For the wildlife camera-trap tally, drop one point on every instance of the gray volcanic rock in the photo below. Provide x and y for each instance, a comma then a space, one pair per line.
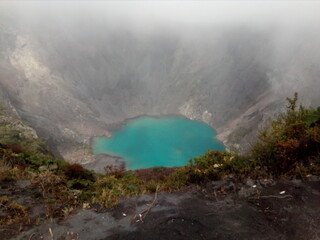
261, 213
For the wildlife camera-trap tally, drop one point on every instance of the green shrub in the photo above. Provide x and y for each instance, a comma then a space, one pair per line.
289, 142
110, 189
78, 183
151, 187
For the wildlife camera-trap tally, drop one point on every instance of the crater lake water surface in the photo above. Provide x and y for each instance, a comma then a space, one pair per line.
146, 142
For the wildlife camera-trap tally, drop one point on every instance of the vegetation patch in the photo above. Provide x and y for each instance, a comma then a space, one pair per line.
12, 212
288, 146
291, 142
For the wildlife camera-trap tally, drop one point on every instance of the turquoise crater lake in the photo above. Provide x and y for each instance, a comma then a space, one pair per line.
146, 142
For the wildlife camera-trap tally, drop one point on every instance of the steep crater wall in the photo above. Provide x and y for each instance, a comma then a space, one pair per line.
75, 81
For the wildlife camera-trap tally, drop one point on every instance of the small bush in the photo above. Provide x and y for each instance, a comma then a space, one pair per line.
76, 171
151, 187
291, 140
206, 167
14, 212
114, 188
10, 173
176, 180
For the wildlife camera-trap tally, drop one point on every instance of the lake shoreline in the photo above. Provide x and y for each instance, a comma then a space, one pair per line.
181, 139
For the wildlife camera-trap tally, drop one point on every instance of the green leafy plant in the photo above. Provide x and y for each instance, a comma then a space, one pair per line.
290, 141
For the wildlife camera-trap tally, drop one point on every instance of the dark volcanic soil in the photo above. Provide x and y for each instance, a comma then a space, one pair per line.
223, 210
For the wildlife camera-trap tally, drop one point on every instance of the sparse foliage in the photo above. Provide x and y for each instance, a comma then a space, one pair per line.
291, 141
289, 145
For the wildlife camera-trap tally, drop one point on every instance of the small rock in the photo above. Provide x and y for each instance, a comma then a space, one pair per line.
246, 192
266, 182
282, 192
49, 195
53, 167
297, 182
43, 168
250, 182
217, 165
215, 185
23, 183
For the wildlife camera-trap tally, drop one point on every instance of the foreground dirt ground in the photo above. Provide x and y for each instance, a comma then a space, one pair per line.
223, 210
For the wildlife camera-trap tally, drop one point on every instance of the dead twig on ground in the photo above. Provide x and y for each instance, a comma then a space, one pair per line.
31, 236
273, 196
51, 234
145, 212
8, 229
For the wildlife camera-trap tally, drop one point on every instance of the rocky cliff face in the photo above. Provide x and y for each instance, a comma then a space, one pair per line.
75, 79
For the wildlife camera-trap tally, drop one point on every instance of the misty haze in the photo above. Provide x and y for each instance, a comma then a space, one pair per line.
76, 71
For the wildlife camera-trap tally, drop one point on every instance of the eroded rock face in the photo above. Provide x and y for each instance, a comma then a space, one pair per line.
75, 80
